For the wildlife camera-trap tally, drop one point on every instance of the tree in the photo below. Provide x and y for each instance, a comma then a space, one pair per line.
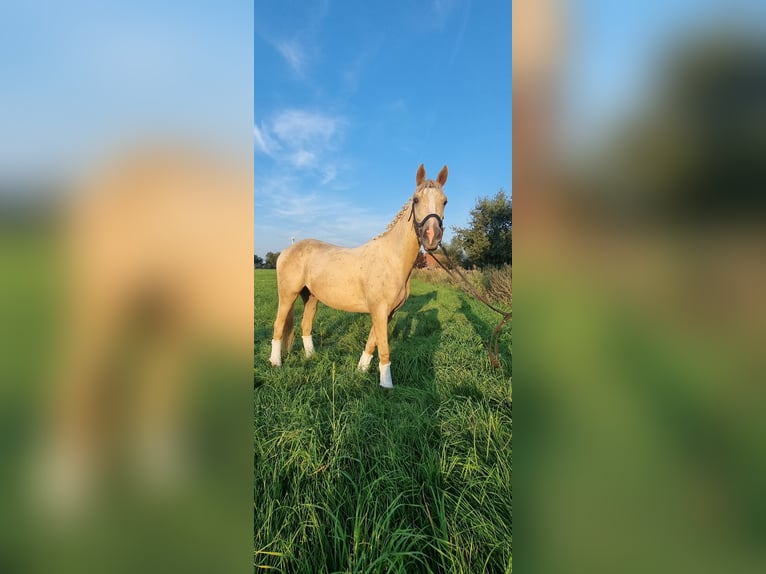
694, 152
487, 239
458, 254
257, 261
271, 260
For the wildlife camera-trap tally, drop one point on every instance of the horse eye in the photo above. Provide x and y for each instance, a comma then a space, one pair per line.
445, 202
415, 200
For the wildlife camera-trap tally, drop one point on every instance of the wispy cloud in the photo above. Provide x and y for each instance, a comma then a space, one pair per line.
442, 9
263, 142
294, 54
303, 158
300, 127
289, 205
302, 138
301, 185
329, 173
361, 63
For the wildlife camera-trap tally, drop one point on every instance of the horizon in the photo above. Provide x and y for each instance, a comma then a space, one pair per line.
350, 100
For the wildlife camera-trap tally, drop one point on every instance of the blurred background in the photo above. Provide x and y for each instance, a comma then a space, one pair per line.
126, 309
639, 179
126, 315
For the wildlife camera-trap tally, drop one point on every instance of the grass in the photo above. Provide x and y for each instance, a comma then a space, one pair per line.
494, 283
350, 477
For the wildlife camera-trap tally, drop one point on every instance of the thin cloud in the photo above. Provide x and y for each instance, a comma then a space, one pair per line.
360, 64
294, 54
285, 204
263, 142
443, 9
302, 138
303, 158
298, 127
329, 173
300, 181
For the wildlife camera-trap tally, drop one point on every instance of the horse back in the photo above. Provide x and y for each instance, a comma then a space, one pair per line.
335, 275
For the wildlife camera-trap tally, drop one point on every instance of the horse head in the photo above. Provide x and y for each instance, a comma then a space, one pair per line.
428, 203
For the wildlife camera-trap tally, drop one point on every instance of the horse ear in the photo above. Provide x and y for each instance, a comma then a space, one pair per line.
442, 177
421, 175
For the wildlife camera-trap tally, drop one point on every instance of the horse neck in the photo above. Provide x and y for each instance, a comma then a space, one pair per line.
402, 239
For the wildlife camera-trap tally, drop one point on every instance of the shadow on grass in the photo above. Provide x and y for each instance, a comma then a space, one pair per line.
414, 336
352, 477
483, 328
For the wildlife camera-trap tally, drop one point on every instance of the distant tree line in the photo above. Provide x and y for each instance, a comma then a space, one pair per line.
485, 242
270, 262
694, 152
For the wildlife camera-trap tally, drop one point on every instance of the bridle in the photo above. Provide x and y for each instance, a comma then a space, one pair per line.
418, 225
452, 270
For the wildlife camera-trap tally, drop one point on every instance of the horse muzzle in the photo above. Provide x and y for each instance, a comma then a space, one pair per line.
430, 232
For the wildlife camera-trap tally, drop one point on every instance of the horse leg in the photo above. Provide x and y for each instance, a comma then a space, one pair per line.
283, 327
369, 349
73, 458
380, 326
159, 407
309, 310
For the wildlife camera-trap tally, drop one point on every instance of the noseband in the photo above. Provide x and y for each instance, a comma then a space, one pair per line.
419, 224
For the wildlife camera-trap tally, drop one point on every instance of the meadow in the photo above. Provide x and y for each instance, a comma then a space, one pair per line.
350, 477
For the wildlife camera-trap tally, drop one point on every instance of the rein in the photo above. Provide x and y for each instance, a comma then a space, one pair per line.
494, 355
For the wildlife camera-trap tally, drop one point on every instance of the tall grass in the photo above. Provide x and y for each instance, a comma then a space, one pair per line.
350, 477
495, 283
498, 283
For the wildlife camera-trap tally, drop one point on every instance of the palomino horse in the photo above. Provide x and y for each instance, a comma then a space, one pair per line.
156, 240
373, 278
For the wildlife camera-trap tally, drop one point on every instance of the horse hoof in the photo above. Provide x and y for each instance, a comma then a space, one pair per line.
308, 345
276, 353
385, 376
364, 363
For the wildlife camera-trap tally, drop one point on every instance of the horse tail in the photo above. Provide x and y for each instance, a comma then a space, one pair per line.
288, 333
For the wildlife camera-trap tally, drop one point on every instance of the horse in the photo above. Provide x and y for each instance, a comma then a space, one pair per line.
373, 278
154, 243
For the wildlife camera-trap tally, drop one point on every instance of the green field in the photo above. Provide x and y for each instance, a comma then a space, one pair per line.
350, 477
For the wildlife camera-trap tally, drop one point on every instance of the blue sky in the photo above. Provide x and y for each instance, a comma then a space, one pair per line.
614, 51
80, 78
346, 98
350, 97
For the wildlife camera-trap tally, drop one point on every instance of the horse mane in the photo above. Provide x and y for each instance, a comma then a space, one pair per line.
406, 207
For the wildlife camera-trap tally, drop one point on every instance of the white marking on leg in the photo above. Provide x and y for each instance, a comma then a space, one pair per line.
385, 376
308, 345
276, 352
63, 480
364, 362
